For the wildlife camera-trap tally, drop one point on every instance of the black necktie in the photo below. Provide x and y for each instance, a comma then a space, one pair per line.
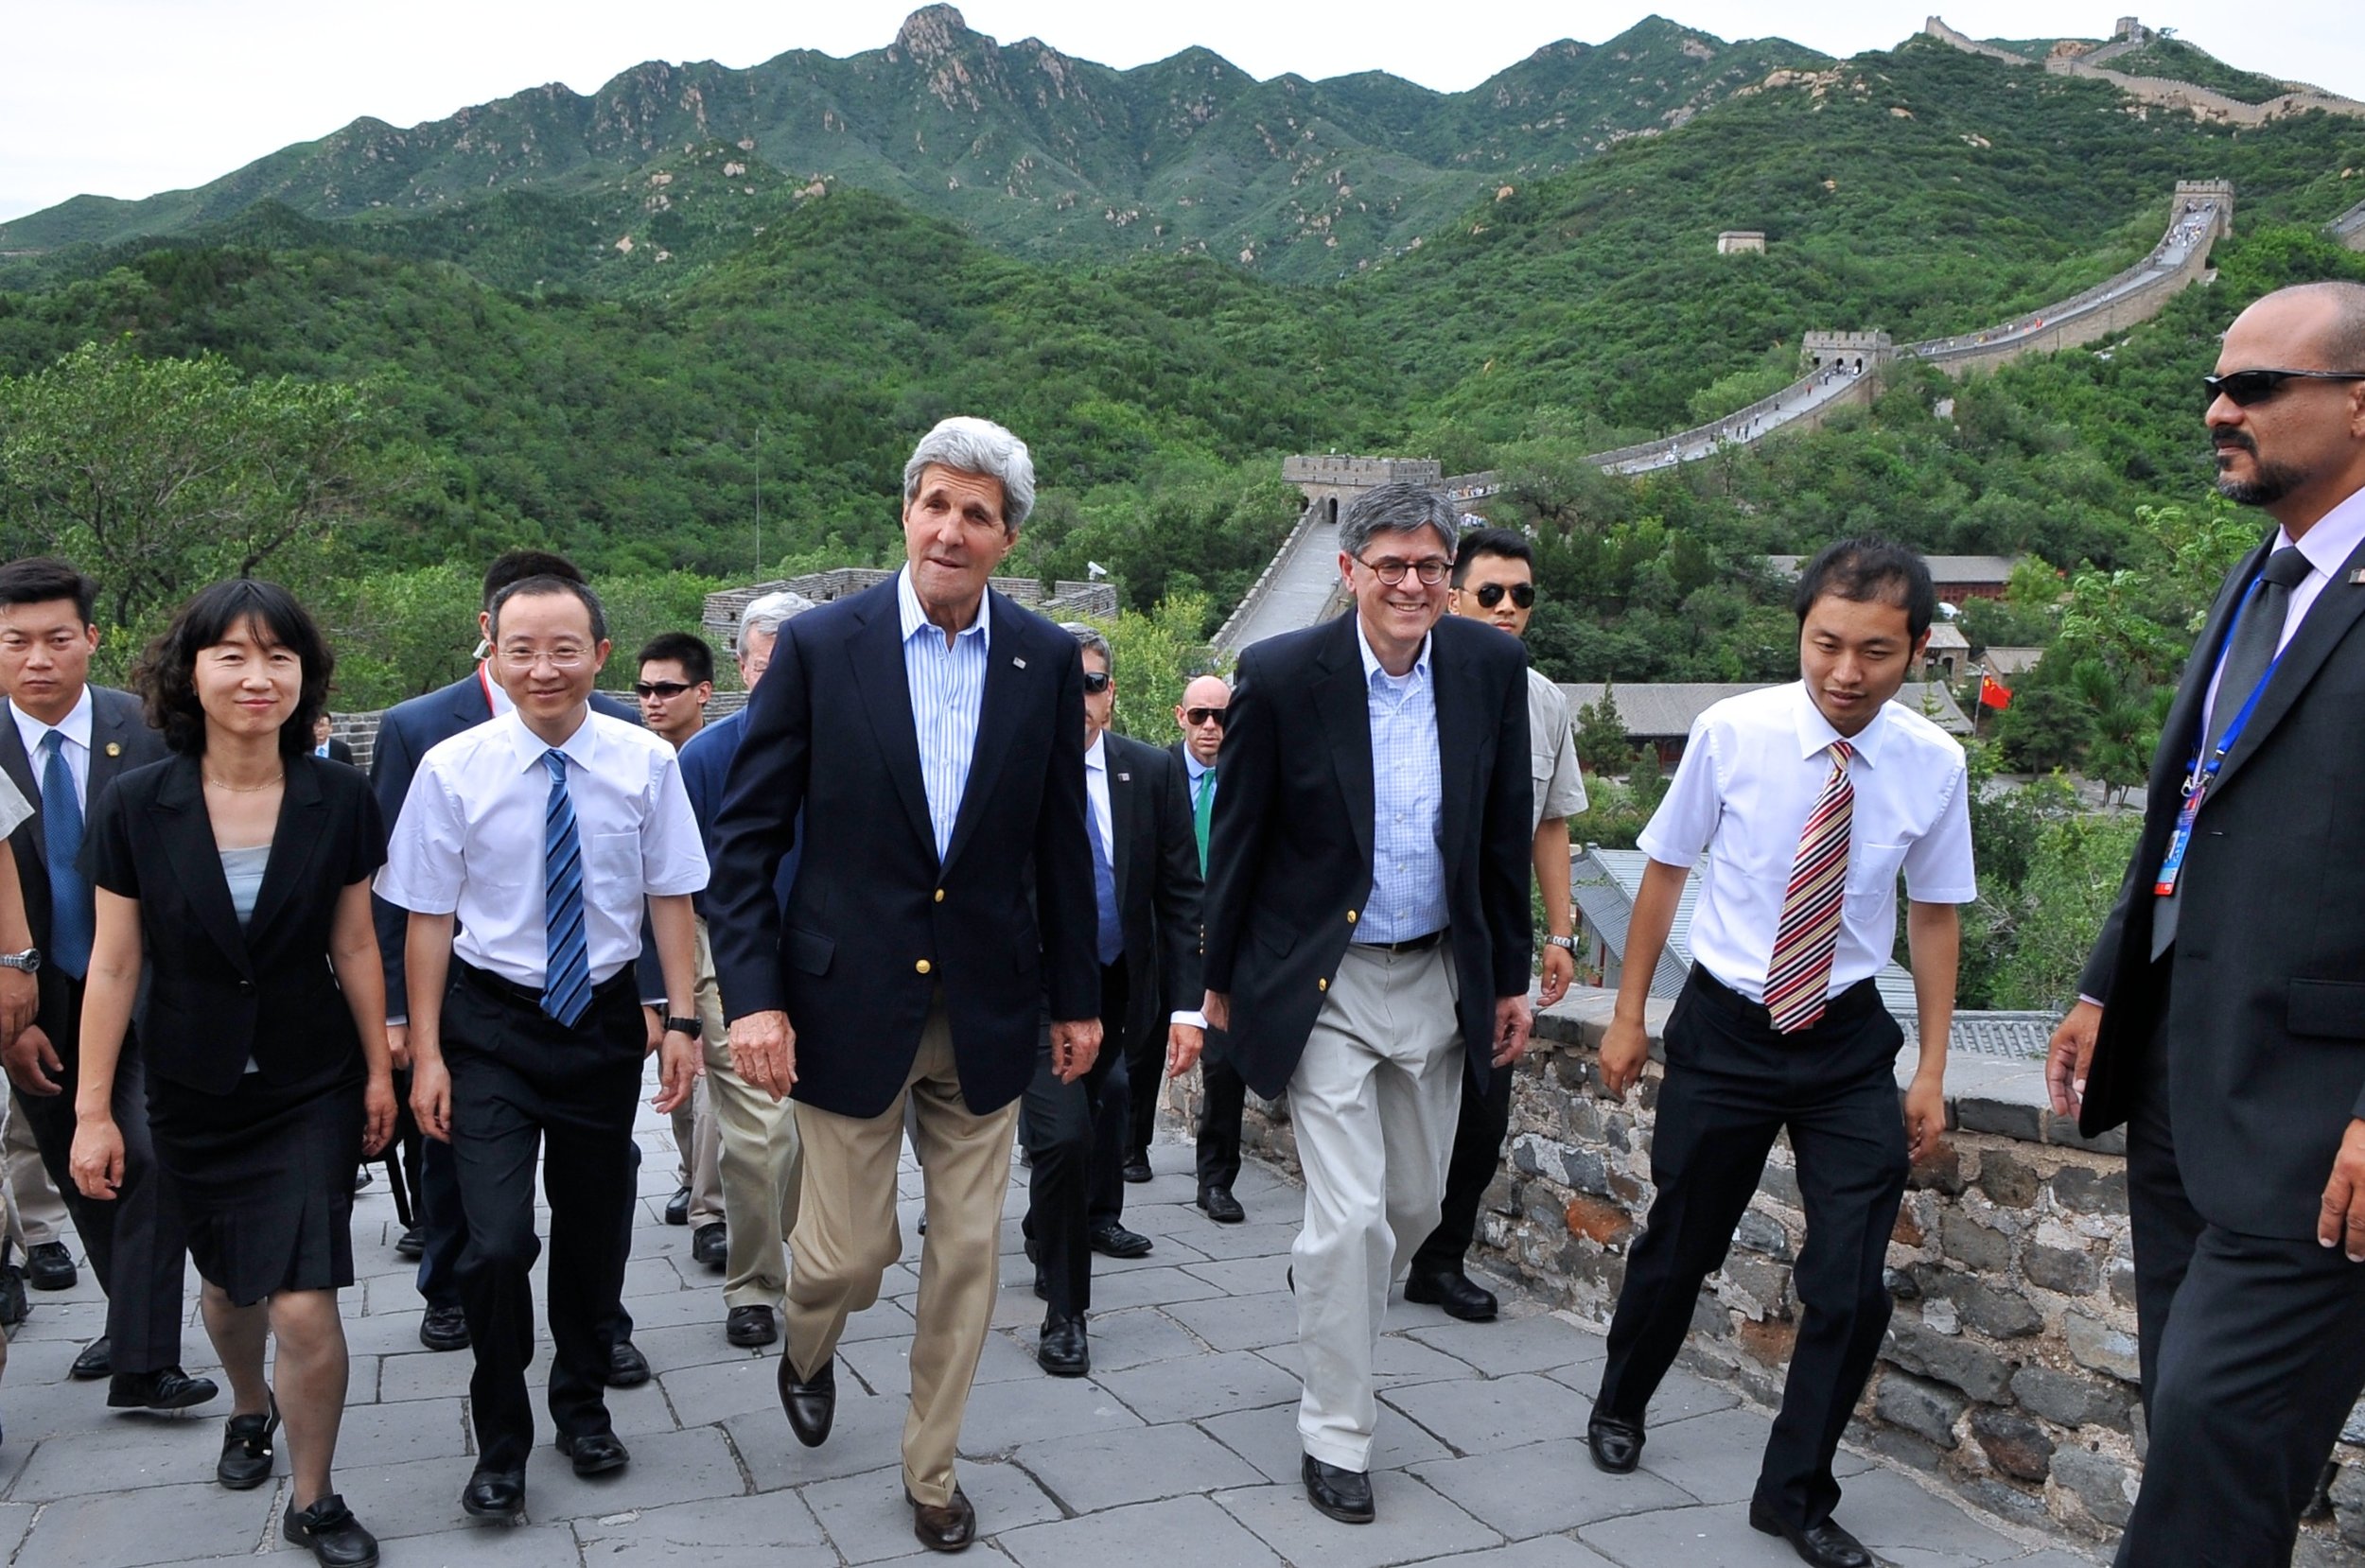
2247, 656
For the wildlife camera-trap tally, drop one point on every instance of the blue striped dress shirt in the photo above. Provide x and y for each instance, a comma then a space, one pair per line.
1408, 798
948, 687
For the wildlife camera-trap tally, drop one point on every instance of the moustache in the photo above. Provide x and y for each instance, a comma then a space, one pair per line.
2232, 441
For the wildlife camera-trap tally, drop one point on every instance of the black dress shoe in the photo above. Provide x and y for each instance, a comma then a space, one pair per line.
677, 1207
167, 1388
246, 1449
1136, 1169
411, 1245
748, 1327
711, 1244
1221, 1205
15, 1309
950, 1528
1063, 1350
1344, 1494
595, 1452
443, 1329
96, 1360
494, 1494
1616, 1442
336, 1539
810, 1403
1453, 1290
49, 1267
1112, 1240
626, 1367
1825, 1546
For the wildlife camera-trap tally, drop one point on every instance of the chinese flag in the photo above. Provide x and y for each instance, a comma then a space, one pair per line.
1992, 693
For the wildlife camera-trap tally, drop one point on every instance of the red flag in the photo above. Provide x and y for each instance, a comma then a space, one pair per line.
1994, 694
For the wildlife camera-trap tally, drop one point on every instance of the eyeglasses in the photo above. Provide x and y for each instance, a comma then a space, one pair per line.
558, 658
1095, 682
1522, 594
2245, 387
1197, 716
1432, 570
645, 690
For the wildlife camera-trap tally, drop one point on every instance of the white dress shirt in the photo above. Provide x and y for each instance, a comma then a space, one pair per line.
74, 726
948, 689
2328, 546
1408, 798
469, 841
1749, 780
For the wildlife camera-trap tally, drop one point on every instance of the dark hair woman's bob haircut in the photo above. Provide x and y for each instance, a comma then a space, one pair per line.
165, 677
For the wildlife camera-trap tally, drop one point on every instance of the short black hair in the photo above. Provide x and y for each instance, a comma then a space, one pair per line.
166, 677
534, 587
515, 565
39, 579
1869, 567
685, 649
1508, 543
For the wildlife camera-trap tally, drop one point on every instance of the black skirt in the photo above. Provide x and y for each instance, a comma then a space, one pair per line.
263, 1178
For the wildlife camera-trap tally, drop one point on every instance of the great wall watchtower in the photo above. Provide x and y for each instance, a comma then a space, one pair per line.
1852, 352
1326, 481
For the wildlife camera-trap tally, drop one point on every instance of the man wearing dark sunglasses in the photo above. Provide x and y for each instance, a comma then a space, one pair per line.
2221, 1017
1206, 704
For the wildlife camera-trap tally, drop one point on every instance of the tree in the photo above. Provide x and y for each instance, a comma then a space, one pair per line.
1601, 739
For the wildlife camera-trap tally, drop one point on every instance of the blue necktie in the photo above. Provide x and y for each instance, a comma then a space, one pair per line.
71, 918
1111, 945
567, 974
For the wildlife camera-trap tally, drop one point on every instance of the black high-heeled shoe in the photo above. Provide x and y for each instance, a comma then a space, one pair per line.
246, 1450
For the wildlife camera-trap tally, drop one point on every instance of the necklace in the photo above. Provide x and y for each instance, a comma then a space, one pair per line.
246, 789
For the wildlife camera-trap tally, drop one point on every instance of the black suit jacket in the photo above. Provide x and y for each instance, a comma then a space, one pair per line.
1157, 886
2261, 1006
405, 732
216, 994
119, 741
875, 925
339, 751
1289, 851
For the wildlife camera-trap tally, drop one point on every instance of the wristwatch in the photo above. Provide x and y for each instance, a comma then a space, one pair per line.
1568, 942
682, 1026
28, 961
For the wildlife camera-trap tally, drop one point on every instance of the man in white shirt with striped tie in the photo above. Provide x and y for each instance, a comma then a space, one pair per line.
1808, 800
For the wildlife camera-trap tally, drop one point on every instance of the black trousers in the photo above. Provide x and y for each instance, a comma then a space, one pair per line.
133, 1240
1145, 1070
1479, 1132
522, 1084
1731, 1085
2252, 1350
1076, 1136
1223, 1097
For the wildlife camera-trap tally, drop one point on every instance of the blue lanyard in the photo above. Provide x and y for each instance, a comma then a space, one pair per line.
2202, 770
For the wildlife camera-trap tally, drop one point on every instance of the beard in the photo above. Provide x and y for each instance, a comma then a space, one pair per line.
2271, 482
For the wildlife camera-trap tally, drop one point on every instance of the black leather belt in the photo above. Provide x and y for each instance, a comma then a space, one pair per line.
1410, 944
509, 990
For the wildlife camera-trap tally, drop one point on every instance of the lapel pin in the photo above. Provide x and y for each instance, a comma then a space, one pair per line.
1021, 663
114, 748
2357, 577
1125, 778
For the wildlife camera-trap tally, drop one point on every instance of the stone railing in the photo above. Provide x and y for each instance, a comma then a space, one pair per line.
2349, 228
1246, 610
2009, 1371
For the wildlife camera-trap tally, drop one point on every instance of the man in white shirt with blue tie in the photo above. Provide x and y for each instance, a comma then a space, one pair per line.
1808, 800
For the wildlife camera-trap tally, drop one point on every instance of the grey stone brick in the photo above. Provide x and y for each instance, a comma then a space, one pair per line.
2009, 1118
2097, 1481
2058, 1269
1486, 1416
1762, 1232
1968, 1241
2014, 1444
2063, 1130
1928, 1410
2096, 1345
2089, 1192
1970, 1367
1989, 1310
1216, 1540
1780, 1183
1583, 1170
2007, 1178
2071, 1398
1417, 1523
1545, 1488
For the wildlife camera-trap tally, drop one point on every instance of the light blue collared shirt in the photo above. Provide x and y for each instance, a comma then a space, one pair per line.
1408, 798
948, 687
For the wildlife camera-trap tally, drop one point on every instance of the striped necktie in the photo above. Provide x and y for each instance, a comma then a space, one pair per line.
1799, 973
567, 972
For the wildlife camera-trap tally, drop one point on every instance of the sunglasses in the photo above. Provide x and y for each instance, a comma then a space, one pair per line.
659, 689
1522, 594
1095, 682
2245, 387
1197, 716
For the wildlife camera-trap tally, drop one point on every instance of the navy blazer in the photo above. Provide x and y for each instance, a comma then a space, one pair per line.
1289, 848
875, 926
217, 993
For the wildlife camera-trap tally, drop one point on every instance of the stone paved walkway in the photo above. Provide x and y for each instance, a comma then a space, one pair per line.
1180, 1449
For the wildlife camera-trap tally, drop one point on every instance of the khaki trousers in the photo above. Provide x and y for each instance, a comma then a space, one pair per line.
1374, 1100
700, 1142
757, 1157
845, 1237
36, 1212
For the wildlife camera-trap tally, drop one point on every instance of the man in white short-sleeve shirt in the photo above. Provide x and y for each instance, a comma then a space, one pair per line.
1807, 800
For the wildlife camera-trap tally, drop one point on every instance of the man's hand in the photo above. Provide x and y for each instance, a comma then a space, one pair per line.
763, 1051
2069, 1055
377, 1113
1925, 1115
20, 1000
430, 1097
31, 1060
2342, 1222
678, 1065
1625, 1046
1074, 1043
1513, 1019
97, 1163
1560, 972
1185, 1041
398, 1046
653, 1018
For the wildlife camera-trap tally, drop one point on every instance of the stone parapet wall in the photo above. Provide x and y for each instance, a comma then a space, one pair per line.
2009, 1371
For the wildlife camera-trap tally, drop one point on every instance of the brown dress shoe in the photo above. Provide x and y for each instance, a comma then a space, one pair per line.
950, 1528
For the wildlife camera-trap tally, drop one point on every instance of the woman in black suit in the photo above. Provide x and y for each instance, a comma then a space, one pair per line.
239, 870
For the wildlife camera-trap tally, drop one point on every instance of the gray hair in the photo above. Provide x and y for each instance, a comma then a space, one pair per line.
977, 446
1398, 509
1091, 641
765, 617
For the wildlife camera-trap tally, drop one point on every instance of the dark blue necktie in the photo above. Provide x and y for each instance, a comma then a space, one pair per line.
1112, 944
71, 918
567, 973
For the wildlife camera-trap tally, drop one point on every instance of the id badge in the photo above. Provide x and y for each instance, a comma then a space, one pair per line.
2172, 863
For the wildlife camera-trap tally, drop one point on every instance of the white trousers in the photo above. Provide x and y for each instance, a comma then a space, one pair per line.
1373, 1100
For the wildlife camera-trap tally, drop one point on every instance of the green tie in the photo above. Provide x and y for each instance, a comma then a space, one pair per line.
1202, 811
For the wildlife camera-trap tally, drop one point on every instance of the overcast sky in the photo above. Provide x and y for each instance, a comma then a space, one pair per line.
128, 98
